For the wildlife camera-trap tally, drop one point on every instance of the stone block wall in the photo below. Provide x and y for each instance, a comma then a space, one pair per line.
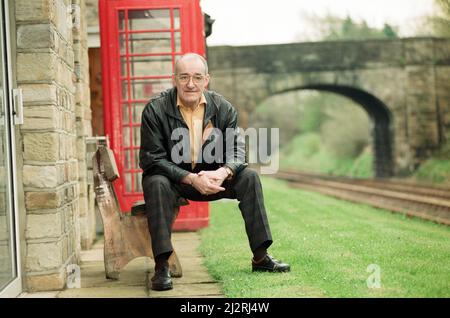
421, 111
442, 78
51, 70
83, 124
443, 101
427, 95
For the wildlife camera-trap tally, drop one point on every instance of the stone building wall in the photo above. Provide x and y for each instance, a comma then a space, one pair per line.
51, 70
83, 125
92, 13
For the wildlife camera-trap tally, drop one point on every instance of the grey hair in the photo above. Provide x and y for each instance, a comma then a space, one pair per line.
192, 55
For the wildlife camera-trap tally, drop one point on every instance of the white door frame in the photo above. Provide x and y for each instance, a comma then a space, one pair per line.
15, 286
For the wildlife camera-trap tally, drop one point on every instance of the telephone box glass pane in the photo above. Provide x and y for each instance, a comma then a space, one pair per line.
128, 182
121, 20
125, 116
138, 182
149, 19
127, 161
159, 65
122, 44
177, 40
150, 42
123, 67
137, 140
126, 136
137, 112
136, 158
176, 19
144, 89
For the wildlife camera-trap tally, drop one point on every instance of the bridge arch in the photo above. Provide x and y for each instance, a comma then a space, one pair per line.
379, 114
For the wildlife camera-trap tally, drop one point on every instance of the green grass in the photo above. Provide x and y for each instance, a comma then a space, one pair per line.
434, 170
307, 153
329, 244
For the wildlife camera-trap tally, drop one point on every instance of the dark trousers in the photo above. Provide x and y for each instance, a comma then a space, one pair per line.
162, 196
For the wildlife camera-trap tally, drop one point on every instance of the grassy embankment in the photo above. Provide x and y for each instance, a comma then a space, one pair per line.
329, 244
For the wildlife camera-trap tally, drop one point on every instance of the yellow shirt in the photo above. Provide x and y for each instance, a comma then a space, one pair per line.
194, 121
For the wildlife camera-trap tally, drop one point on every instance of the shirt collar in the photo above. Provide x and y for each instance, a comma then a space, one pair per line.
202, 101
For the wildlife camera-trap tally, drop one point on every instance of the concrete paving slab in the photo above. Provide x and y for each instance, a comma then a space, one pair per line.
105, 292
194, 278
195, 283
188, 290
134, 274
39, 295
92, 255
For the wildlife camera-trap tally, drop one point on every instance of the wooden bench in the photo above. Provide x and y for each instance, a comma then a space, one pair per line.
126, 235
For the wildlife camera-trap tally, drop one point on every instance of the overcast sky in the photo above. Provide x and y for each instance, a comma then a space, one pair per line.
247, 22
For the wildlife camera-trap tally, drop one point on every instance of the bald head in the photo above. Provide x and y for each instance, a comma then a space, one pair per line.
191, 79
190, 58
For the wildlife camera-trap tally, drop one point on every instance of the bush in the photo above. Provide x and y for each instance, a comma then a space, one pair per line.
434, 171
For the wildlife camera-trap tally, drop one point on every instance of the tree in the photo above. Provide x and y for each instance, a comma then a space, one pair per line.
389, 32
440, 22
348, 29
330, 28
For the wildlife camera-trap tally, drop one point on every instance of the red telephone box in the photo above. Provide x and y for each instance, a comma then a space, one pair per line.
140, 42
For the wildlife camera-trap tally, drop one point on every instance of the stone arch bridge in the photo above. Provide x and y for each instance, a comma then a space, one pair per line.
403, 84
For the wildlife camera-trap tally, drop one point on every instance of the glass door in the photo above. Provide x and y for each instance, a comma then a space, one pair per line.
10, 283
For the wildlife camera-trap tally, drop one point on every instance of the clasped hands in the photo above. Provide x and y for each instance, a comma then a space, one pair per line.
207, 182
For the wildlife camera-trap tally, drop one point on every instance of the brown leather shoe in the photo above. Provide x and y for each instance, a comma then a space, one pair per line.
161, 280
269, 264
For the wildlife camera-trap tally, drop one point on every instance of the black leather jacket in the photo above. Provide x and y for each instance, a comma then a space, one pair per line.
161, 117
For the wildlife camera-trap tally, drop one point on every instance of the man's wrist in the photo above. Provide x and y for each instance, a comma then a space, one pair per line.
189, 179
192, 178
229, 172
224, 172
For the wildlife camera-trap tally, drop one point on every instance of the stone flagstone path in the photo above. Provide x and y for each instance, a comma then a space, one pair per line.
195, 283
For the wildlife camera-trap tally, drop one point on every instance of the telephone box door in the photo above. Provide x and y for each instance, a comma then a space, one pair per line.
140, 42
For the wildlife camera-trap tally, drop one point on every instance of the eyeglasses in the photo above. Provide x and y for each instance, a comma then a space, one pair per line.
197, 79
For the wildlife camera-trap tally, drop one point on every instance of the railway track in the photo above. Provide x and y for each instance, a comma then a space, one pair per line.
427, 202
